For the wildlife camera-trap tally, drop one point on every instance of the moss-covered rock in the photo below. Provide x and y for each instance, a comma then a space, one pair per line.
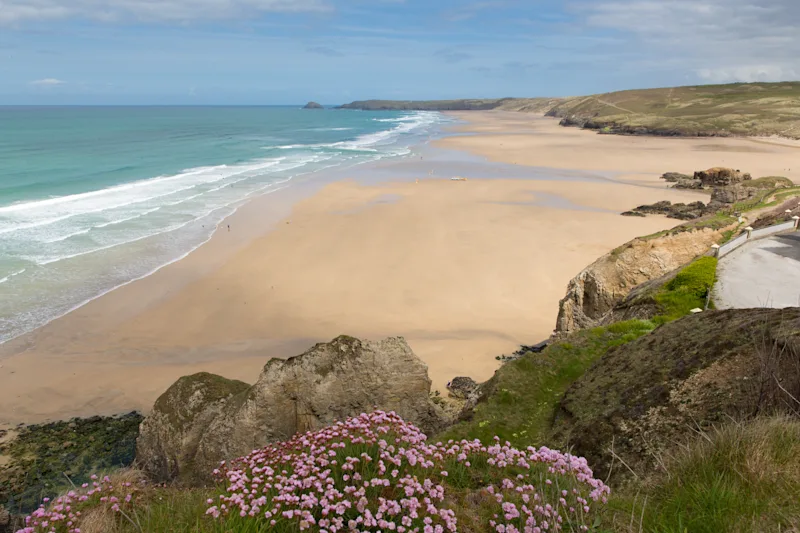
694, 372
40, 461
170, 435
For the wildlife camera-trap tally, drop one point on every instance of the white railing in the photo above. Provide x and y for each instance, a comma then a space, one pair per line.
730, 246
750, 235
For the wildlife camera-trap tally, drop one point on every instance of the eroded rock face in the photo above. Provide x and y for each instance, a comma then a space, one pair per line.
733, 194
594, 292
721, 177
701, 370
203, 419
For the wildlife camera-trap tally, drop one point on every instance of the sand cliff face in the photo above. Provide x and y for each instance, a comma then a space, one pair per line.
593, 293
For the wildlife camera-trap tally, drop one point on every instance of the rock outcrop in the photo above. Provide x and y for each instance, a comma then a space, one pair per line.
679, 211
732, 194
721, 177
597, 289
698, 371
204, 419
728, 185
674, 177
313, 105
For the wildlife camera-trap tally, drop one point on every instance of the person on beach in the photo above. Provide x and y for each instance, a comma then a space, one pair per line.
229, 228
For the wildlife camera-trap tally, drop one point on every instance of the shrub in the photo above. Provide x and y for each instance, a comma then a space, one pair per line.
697, 278
686, 291
378, 473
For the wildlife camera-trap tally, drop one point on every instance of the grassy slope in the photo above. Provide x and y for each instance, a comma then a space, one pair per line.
734, 109
735, 478
525, 393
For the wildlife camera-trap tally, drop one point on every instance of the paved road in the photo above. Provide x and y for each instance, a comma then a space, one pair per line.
763, 273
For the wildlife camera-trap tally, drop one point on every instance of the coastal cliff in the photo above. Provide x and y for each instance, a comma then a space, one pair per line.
595, 291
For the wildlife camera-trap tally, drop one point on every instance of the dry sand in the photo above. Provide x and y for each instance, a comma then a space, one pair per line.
465, 270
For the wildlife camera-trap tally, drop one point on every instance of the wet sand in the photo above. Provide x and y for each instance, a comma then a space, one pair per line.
464, 270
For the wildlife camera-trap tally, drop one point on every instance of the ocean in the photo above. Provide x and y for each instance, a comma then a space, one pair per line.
92, 198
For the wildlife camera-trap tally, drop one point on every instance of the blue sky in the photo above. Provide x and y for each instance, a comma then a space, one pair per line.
333, 51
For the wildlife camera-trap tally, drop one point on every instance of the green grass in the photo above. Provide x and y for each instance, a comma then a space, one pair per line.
687, 290
769, 182
733, 109
744, 477
526, 391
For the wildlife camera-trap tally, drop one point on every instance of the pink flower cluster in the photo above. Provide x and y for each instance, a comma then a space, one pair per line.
375, 472
64, 513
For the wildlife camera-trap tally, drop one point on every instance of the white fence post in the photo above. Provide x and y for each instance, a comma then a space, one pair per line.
715, 249
796, 222
749, 230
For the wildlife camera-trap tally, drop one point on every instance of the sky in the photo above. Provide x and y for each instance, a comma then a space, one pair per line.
198, 52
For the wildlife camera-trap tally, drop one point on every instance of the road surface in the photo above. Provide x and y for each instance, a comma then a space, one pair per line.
762, 273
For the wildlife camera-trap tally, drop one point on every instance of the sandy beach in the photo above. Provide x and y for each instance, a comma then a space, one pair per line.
464, 270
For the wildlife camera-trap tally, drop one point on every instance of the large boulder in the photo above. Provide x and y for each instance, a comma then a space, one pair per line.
170, 436
702, 370
204, 419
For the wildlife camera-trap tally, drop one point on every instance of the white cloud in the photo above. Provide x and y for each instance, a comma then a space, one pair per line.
48, 82
16, 11
748, 73
716, 40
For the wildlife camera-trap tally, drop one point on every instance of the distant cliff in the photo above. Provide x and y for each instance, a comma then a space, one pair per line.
506, 104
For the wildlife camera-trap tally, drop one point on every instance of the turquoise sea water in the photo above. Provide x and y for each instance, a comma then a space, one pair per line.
94, 197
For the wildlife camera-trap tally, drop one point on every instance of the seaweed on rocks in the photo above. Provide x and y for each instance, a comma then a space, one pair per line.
42, 460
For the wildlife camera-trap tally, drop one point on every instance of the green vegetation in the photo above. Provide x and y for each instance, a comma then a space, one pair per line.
526, 392
769, 182
44, 459
734, 109
736, 478
688, 290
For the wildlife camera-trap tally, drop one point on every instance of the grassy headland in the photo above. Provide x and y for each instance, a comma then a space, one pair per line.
738, 109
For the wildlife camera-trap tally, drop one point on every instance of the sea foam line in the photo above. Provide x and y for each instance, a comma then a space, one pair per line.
8, 277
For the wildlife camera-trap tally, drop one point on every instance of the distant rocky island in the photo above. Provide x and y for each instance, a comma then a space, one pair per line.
313, 105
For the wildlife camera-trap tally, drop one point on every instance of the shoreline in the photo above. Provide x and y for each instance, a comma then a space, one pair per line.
473, 252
